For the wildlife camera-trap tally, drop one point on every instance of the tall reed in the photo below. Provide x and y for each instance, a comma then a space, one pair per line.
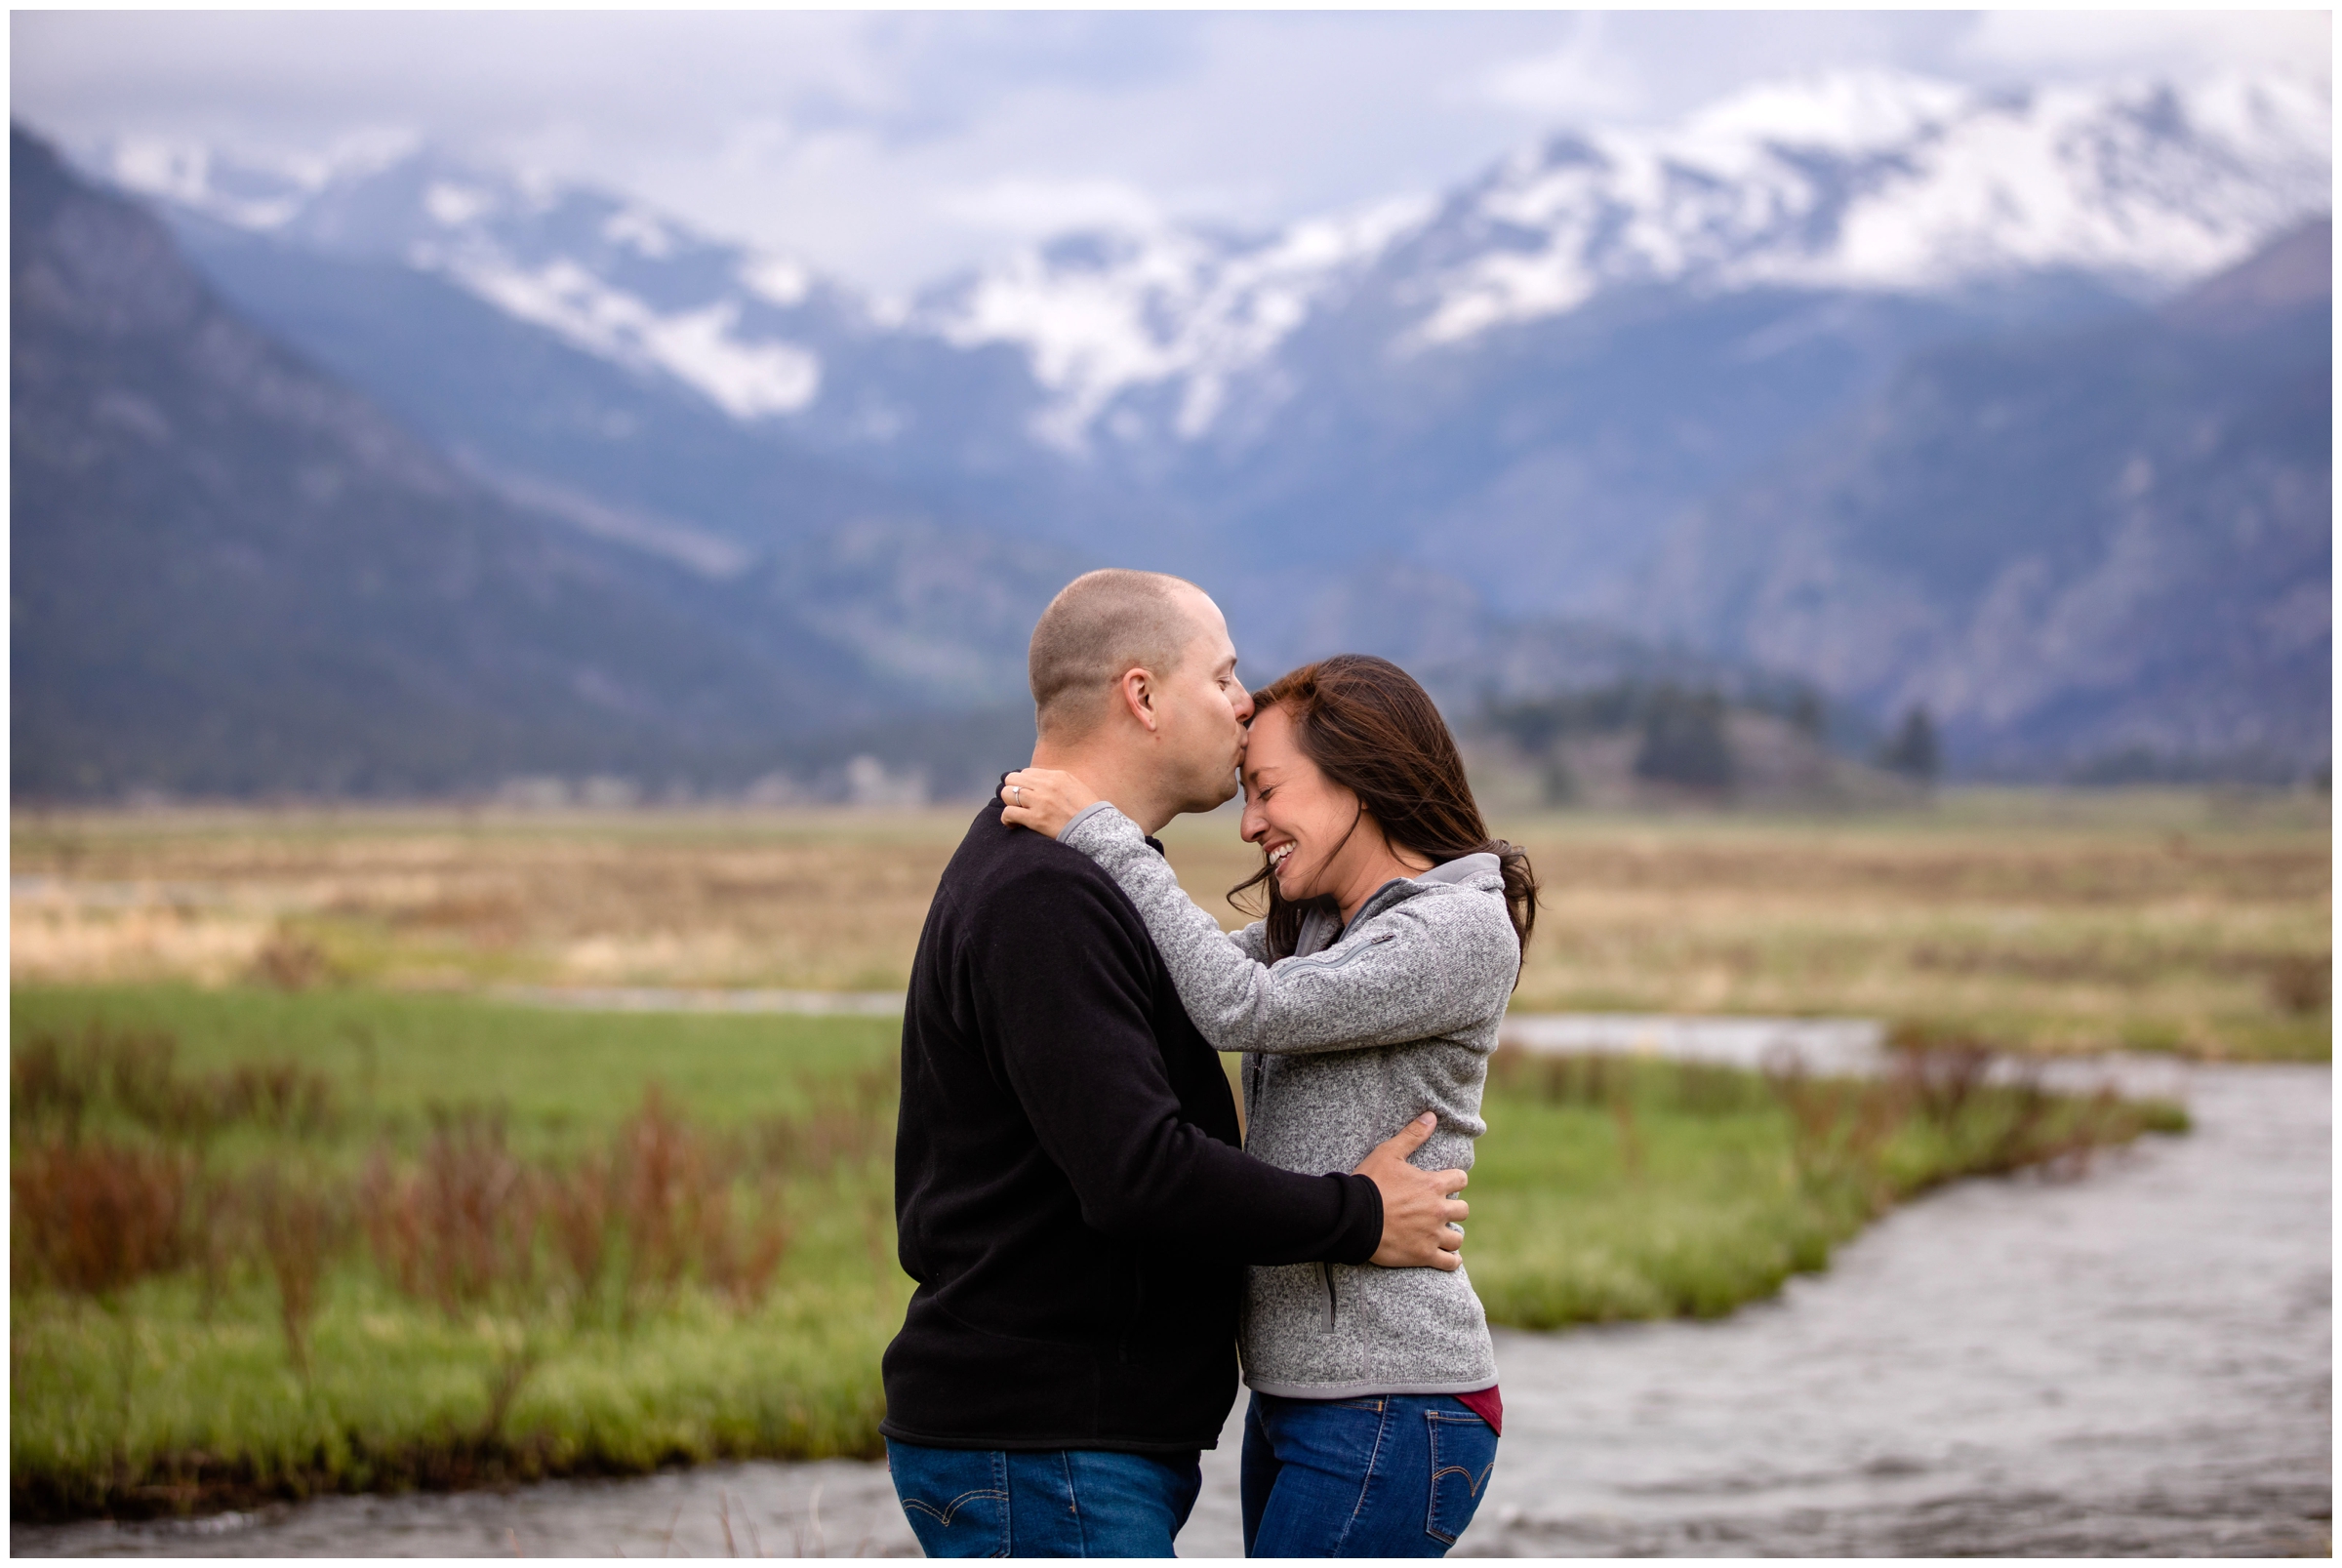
304, 1224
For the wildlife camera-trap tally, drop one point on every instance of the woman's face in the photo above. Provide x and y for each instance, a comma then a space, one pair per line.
1303, 820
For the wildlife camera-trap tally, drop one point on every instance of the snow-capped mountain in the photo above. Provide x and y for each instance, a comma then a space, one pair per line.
1863, 181
1882, 182
1510, 394
1858, 181
1099, 315
603, 274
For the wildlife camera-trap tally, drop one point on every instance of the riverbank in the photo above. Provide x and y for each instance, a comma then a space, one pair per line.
396, 1241
2135, 1362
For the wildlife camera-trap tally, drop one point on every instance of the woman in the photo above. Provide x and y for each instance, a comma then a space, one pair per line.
1370, 994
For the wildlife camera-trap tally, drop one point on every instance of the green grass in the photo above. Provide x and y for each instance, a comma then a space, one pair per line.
401, 1396
398, 1054
1629, 1189
1622, 1192
402, 1392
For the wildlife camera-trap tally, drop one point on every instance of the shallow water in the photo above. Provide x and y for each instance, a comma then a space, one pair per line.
2136, 1361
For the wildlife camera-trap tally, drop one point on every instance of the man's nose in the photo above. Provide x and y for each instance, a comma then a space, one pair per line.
1243, 707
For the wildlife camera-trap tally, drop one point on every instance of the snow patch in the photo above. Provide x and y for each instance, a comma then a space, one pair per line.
640, 231
746, 380
185, 173
175, 171
776, 279
1115, 313
1846, 112
452, 205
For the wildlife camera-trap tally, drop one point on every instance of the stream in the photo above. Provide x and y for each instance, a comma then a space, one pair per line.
2135, 1361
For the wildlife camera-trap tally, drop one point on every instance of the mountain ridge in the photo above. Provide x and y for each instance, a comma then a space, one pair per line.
1870, 180
232, 575
1272, 414
2131, 550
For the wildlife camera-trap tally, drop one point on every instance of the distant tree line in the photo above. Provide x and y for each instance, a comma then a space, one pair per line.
1683, 739
1912, 749
1683, 736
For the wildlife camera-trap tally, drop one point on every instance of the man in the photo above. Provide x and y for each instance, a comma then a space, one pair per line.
1070, 1193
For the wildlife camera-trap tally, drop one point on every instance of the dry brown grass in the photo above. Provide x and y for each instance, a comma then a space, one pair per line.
2050, 922
459, 1230
819, 902
94, 1216
57, 1080
2180, 922
469, 1223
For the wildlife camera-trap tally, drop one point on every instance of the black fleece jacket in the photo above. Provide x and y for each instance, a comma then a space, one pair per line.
1070, 1193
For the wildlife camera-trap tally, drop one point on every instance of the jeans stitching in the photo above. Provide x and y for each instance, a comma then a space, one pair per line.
1008, 1506
944, 1515
1433, 1419
1081, 1535
1366, 1487
1471, 1482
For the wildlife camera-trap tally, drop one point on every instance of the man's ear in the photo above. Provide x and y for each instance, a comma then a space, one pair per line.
1137, 691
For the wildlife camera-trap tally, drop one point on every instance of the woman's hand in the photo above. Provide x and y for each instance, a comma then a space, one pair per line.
1044, 799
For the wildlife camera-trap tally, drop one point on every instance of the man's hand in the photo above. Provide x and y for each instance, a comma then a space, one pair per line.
1417, 1205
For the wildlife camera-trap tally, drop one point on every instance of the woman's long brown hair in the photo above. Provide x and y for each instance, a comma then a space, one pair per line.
1371, 729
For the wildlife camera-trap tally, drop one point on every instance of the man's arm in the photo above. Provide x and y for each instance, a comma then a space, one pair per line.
1062, 982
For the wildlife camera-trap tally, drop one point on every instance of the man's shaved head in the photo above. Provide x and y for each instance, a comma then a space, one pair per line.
1100, 626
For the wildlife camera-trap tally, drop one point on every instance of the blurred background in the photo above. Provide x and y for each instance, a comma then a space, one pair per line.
613, 408
525, 528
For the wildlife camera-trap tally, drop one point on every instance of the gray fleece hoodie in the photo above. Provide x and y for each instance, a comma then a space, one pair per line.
1345, 1042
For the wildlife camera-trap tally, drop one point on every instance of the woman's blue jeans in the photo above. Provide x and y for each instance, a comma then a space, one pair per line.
1394, 1475
1049, 1503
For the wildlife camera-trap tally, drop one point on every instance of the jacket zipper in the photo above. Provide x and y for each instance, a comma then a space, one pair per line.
1325, 1271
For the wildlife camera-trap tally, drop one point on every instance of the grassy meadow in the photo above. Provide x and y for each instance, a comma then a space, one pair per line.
2181, 921
300, 1204
266, 1244
515, 1257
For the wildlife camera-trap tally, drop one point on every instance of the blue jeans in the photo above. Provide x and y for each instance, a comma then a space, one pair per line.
1050, 1502
1390, 1476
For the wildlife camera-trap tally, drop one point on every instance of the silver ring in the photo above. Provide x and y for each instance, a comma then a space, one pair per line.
1017, 790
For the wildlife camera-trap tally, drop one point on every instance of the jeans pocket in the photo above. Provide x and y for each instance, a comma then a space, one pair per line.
1463, 1453
956, 1499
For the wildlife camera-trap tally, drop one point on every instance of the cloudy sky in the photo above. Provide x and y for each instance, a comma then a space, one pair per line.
892, 147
